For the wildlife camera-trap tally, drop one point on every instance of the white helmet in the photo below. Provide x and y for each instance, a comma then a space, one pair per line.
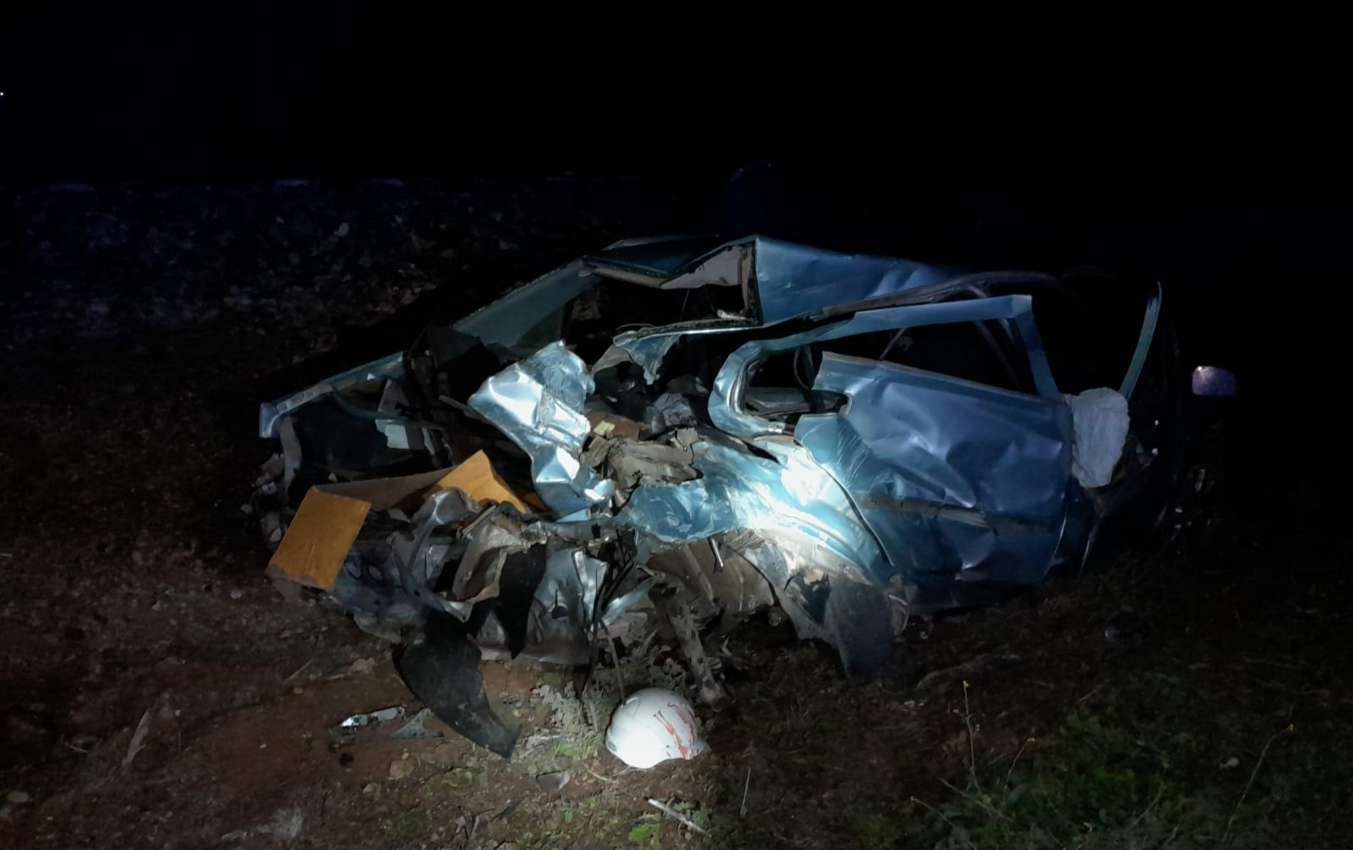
651, 726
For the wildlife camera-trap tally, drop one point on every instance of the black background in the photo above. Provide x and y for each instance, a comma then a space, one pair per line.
1224, 180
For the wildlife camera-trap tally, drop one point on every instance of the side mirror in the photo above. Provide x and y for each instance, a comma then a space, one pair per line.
1214, 382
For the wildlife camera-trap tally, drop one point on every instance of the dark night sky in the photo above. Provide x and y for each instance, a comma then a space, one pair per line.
1215, 180
236, 90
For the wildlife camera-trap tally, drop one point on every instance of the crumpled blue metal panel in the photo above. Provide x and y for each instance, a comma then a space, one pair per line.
958, 480
786, 493
826, 600
570, 585
955, 479
649, 347
645, 350
538, 403
795, 280
827, 570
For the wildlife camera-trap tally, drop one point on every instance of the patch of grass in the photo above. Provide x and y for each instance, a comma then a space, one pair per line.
1146, 767
878, 830
697, 813
570, 751
645, 833
410, 824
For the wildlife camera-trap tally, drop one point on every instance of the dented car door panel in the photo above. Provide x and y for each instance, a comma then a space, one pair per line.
957, 480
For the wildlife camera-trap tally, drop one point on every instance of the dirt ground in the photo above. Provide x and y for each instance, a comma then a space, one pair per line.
156, 690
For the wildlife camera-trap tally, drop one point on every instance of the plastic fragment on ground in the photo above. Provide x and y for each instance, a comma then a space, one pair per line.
384, 715
416, 729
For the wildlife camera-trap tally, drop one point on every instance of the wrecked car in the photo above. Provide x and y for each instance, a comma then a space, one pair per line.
676, 433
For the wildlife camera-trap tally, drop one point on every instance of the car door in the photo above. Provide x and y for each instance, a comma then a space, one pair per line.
962, 482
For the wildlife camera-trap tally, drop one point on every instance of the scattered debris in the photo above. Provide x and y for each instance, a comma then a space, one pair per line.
416, 728
286, 824
469, 826
360, 667
675, 815
554, 782
985, 663
442, 756
746, 786
299, 670
384, 715
671, 435
1126, 629
401, 768
138, 740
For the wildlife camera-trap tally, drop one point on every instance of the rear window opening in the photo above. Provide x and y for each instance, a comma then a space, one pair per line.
966, 350
594, 318
781, 386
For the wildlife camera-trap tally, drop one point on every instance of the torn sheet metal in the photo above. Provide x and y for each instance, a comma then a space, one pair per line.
572, 581
789, 281
827, 600
620, 604
648, 349
384, 715
719, 580
493, 537
538, 404
388, 367
631, 462
825, 566
668, 411
564, 607
781, 491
